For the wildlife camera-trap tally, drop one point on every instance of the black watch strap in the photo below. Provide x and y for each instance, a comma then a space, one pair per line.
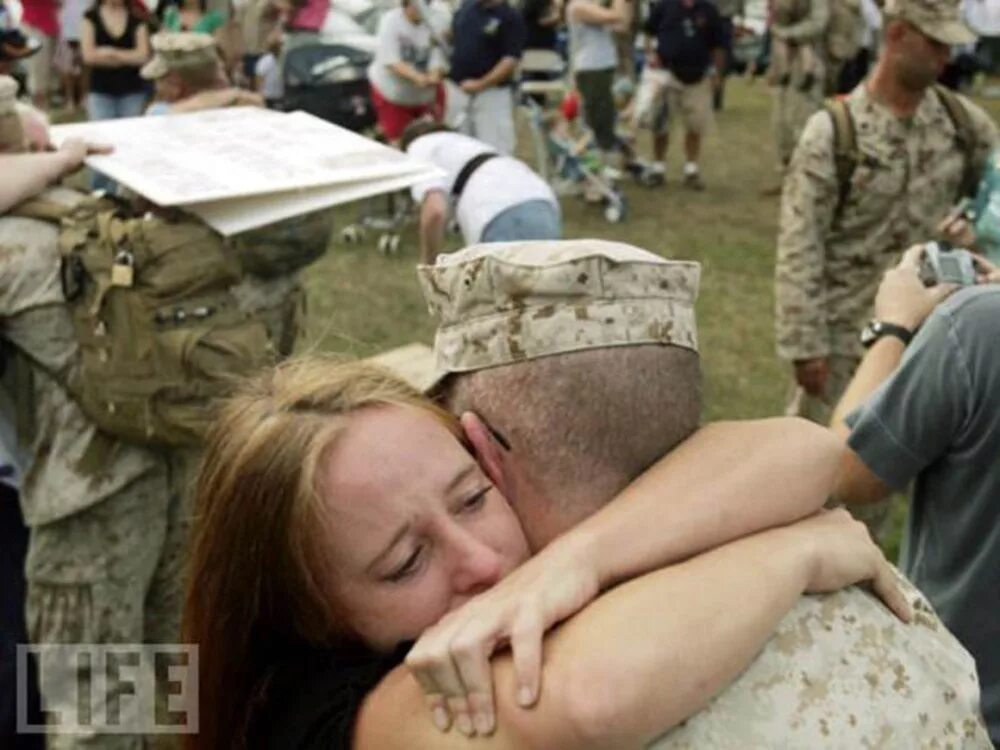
877, 329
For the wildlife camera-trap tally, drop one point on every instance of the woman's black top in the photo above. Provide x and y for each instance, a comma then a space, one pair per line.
314, 699
115, 81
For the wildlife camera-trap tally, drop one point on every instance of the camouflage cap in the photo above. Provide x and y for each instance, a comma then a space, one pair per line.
8, 95
941, 20
500, 303
173, 50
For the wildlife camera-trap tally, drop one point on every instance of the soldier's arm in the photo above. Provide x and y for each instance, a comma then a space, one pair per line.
635, 662
809, 196
809, 28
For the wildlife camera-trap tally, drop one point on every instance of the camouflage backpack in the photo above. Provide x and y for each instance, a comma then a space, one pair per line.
161, 335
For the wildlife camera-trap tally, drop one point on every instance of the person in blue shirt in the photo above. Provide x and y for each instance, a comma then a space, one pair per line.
690, 50
488, 38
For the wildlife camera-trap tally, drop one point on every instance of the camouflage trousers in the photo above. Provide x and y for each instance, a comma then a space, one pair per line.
791, 108
876, 516
111, 574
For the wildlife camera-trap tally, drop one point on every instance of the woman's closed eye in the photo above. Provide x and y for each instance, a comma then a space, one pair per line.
409, 568
475, 501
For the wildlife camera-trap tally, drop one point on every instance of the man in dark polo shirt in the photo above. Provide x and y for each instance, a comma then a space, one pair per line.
689, 59
488, 37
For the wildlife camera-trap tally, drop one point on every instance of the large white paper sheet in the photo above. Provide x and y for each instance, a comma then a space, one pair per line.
234, 153
243, 214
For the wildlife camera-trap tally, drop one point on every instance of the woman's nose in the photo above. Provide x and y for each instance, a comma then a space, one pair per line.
476, 566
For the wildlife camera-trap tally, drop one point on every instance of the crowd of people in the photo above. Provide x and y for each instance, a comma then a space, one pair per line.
541, 546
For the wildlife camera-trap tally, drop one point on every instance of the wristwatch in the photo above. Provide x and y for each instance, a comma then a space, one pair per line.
876, 329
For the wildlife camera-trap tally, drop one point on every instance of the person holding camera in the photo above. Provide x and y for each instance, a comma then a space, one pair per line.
923, 408
873, 172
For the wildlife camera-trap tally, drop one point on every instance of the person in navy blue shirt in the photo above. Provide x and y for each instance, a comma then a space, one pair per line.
488, 38
688, 59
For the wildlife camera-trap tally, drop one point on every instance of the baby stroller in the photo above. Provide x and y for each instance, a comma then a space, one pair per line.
570, 169
330, 81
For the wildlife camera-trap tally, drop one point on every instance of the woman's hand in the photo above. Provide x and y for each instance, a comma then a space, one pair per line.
843, 553
451, 661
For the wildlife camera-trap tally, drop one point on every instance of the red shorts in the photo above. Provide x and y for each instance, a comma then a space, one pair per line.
393, 118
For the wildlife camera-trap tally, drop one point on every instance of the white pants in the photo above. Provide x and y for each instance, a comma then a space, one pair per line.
488, 115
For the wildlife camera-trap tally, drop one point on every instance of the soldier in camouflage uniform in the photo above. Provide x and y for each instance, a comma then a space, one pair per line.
836, 240
840, 671
189, 78
107, 522
797, 95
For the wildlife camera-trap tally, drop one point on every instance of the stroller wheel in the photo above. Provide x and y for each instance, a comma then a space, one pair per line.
352, 233
614, 212
388, 244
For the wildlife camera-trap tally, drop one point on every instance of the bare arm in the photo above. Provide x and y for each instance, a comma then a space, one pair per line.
585, 11
228, 97
903, 300
411, 74
650, 652
809, 28
139, 54
94, 56
26, 175
433, 218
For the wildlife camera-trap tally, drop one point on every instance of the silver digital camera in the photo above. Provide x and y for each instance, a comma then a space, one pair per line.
943, 264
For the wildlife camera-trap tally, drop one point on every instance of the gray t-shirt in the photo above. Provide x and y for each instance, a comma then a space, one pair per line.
937, 421
593, 46
401, 41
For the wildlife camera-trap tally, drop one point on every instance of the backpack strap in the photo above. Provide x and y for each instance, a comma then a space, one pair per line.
845, 149
40, 208
965, 137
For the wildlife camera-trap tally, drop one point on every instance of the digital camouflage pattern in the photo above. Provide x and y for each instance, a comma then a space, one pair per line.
74, 466
828, 269
505, 302
938, 19
177, 50
795, 101
841, 671
108, 522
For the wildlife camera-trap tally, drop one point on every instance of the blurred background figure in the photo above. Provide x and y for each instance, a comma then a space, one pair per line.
68, 60
41, 22
192, 15
114, 44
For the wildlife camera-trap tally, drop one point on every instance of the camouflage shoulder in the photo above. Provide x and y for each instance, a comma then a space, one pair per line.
814, 151
987, 135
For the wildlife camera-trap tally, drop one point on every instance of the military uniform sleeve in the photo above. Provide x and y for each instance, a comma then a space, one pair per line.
809, 28
808, 197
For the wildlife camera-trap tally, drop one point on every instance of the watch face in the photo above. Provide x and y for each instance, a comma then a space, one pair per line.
870, 332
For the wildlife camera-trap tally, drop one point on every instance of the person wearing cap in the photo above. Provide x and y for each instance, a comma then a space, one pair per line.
189, 76
493, 196
918, 150
358, 513
597, 340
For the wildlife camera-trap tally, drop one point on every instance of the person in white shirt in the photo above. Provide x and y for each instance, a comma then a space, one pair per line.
494, 197
404, 87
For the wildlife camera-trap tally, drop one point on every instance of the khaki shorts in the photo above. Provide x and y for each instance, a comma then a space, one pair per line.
692, 102
39, 65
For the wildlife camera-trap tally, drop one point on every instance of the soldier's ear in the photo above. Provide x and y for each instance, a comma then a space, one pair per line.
489, 449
